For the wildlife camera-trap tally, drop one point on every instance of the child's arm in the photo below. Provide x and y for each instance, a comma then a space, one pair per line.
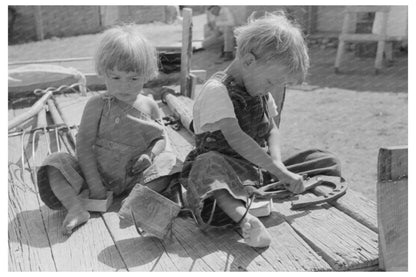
85, 140
294, 180
160, 145
273, 142
250, 150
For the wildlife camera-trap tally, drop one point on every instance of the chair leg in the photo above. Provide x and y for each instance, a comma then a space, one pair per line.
340, 52
388, 51
379, 56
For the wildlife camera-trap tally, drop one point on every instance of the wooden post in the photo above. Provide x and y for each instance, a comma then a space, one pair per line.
312, 19
381, 43
341, 42
186, 53
39, 23
392, 208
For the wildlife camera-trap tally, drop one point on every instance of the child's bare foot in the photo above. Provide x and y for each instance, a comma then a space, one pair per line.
254, 232
74, 218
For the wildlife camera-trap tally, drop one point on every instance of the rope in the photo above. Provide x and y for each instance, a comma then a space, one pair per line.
38, 91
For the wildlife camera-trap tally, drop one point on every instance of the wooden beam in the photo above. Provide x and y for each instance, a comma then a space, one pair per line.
362, 37
392, 208
367, 9
186, 53
393, 163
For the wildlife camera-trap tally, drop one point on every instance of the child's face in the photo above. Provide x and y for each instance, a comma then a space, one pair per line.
123, 85
261, 78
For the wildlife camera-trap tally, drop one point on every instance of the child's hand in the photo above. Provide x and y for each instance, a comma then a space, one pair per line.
98, 193
293, 181
143, 162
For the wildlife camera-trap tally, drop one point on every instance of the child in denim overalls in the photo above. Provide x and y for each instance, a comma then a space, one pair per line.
121, 139
233, 123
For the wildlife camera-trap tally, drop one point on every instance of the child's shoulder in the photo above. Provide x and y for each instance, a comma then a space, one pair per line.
95, 101
213, 85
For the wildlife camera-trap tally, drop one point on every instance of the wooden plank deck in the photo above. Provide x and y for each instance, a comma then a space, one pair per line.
337, 237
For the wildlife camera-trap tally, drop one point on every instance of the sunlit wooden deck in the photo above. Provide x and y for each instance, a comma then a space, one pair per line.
338, 237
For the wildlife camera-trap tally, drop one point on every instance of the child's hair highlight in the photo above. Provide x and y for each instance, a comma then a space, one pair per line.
274, 36
125, 49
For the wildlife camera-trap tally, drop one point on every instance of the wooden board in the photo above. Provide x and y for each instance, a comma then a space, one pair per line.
139, 253
392, 200
318, 239
344, 243
366, 215
29, 248
288, 251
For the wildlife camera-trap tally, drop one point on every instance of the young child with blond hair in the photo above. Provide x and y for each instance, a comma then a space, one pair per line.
237, 140
121, 139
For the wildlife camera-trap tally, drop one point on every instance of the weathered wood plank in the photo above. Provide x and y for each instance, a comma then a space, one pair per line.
222, 250
392, 208
366, 214
288, 251
393, 222
392, 163
29, 248
186, 53
142, 253
83, 250
343, 242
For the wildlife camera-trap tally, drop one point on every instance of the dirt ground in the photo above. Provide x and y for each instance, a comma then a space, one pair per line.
352, 114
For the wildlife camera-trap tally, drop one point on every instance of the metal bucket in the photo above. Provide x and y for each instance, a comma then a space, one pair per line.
152, 212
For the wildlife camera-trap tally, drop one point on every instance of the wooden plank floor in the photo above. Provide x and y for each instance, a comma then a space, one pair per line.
329, 237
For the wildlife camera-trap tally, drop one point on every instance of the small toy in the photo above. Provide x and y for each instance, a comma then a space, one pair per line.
96, 205
261, 207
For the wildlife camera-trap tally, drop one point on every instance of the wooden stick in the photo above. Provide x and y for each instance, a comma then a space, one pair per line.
71, 132
34, 110
186, 53
58, 120
181, 106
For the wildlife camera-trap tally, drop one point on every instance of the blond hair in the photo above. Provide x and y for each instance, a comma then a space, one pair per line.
274, 36
125, 49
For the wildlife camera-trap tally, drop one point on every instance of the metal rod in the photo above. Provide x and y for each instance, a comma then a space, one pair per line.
34, 110
58, 120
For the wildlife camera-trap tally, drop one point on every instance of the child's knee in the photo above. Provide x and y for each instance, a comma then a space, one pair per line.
54, 175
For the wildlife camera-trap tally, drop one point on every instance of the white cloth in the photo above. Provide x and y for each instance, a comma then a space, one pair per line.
214, 104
